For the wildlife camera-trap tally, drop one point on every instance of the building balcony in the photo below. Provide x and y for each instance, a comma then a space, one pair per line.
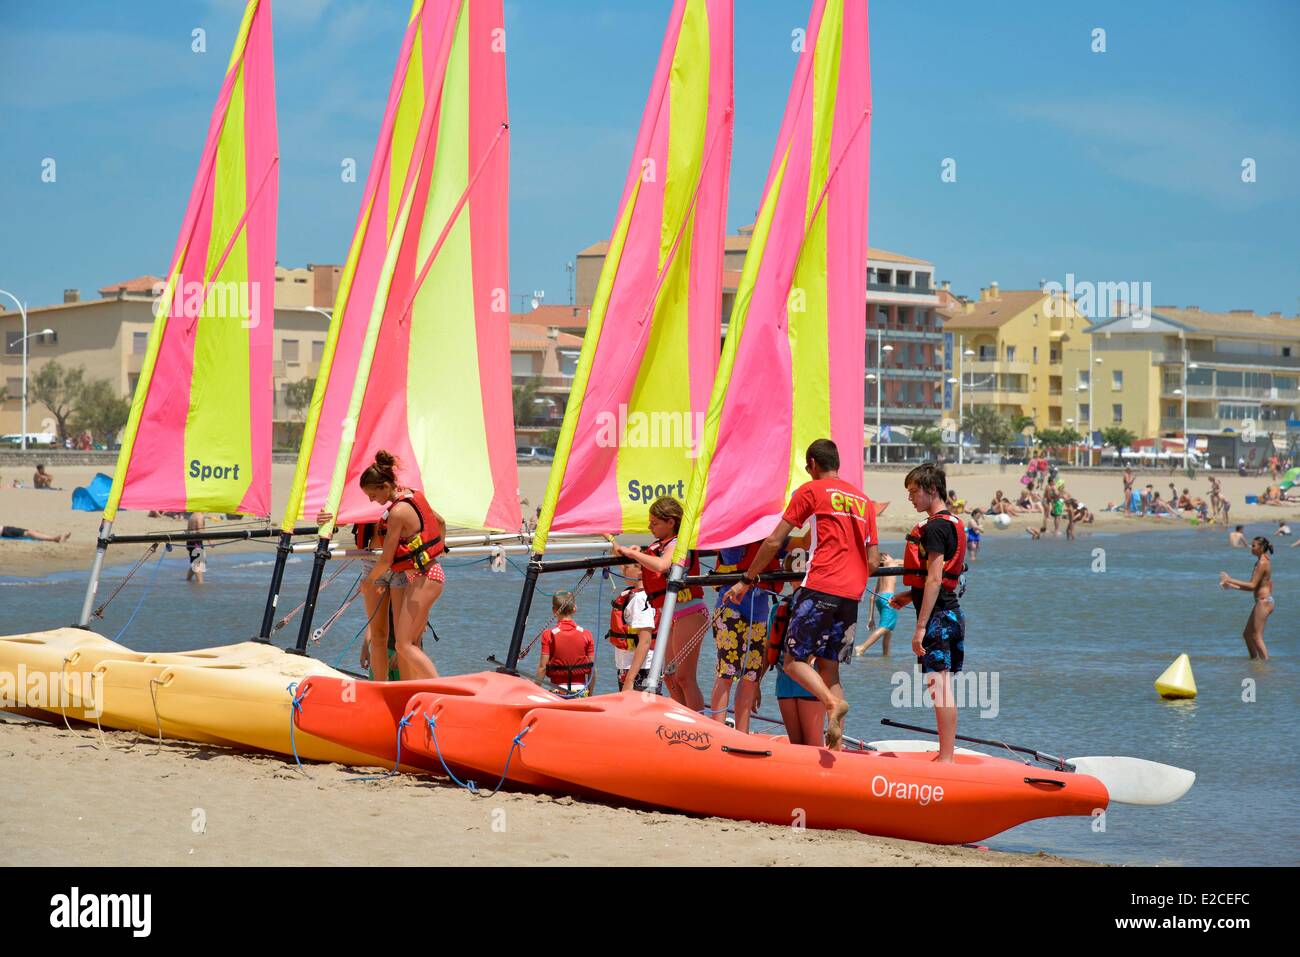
1230, 360
1231, 392
995, 397
1218, 425
996, 366
885, 289
899, 372
545, 383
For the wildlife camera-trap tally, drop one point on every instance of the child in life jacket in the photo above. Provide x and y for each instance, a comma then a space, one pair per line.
932, 568
568, 651
632, 631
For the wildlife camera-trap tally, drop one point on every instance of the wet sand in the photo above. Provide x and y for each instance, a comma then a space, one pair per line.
74, 799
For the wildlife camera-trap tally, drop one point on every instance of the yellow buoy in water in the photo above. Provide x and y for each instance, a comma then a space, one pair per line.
1177, 680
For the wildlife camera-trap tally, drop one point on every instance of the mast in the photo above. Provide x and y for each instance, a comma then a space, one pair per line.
430, 280
204, 392
650, 349
794, 348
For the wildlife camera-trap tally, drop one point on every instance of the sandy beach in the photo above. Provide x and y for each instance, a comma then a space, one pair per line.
50, 511
70, 798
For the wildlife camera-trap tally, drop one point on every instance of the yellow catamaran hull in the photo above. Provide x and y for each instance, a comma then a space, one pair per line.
233, 695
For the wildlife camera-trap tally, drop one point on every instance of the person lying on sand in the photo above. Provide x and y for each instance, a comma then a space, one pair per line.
11, 531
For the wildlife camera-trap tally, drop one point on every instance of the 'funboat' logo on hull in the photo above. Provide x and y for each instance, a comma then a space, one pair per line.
698, 740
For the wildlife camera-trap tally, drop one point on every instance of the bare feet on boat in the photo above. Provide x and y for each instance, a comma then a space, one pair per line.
835, 725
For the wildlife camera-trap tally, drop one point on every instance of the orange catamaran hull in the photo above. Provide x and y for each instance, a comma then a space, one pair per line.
648, 750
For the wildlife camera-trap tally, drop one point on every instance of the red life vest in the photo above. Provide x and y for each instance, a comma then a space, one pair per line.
776, 632
421, 549
562, 669
751, 552
656, 585
619, 634
915, 569
364, 533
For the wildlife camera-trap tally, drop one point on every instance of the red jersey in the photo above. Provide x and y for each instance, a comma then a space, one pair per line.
566, 644
844, 525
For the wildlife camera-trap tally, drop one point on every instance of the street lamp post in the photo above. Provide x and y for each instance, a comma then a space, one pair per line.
22, 308
1187, 442
880, 375
961, 395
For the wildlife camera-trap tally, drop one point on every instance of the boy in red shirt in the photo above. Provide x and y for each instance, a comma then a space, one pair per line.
843, 552
568, 651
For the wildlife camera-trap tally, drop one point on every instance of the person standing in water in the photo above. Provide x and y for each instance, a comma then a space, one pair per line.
1237, 538
932, 567
194, 523
414, 537
845, 551
882, 612
1261, 583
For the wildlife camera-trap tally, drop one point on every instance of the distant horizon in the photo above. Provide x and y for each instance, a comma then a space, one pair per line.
1007, 147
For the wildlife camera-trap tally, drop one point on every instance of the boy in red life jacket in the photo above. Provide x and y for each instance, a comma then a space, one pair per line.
568, 651
844, 551
932, 567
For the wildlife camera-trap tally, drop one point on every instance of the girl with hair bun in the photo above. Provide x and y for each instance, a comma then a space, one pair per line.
1261, 583
413, 535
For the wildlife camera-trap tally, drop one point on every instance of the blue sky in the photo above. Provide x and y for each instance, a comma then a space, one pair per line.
1117, 166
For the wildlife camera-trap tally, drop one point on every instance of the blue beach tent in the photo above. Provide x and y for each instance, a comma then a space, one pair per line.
93, 497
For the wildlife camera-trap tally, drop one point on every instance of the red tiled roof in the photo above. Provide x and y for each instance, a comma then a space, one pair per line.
563, 315
140, 284
531, 338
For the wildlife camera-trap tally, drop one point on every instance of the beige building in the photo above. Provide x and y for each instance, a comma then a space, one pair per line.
1242, 376
108, 337
1009, 349
545, 357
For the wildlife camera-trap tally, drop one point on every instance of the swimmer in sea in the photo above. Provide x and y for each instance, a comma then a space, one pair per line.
883, 614
1261, 583
1237, 539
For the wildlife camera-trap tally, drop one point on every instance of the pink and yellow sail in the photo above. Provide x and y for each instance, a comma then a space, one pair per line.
631, 429
199, 433
417, 360
793, 365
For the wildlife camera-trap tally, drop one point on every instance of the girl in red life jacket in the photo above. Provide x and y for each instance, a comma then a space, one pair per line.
413, 539
690, 616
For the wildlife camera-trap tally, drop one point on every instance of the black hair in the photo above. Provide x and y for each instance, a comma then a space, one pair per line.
825, 454
381, 471
1268, 546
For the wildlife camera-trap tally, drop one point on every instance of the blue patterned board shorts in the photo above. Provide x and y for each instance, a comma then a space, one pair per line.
944, 642
818, 624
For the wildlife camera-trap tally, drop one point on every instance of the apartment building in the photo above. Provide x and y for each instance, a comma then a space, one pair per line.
543, 360
904, 343
1008, 349
1238, 372
108, 337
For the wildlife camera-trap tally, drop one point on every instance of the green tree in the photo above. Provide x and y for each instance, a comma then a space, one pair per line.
100, 411
549, 439
523, 399
297, 397
1117, 437
929, 437
58, 389
1051, 438
1021, 422
990, 428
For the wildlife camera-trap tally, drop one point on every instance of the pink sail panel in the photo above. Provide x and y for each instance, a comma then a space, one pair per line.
417, 78
793, 366
437, 383
631, 429
199, 433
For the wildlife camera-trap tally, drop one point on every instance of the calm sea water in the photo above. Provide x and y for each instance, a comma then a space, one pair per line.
1075, 650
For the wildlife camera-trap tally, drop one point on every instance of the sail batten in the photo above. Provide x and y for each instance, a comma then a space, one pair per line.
198, 437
